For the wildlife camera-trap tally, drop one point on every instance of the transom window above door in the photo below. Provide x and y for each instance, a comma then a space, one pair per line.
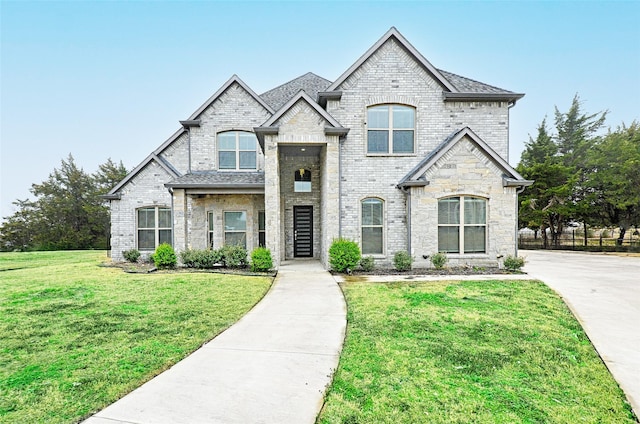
302, 181
237, 150
390, 129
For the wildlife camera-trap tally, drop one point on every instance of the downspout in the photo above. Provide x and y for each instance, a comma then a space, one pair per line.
340, 139
173, 232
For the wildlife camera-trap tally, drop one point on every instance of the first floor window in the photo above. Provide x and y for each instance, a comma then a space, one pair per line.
372, 227
462, 225
262, 233
210, 229
154, 227
235, 229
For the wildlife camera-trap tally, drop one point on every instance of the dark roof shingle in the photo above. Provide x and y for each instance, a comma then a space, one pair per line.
309, 82
214, 179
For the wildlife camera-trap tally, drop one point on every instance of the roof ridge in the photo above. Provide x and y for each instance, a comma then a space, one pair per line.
472, 80
294, 79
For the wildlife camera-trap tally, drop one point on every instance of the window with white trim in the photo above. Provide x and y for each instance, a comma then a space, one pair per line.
372, 210
390, 129
210, 229
235, 229
262, 233
153, 226
237, 150
466, 235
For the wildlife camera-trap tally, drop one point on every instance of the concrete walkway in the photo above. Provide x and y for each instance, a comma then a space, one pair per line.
272, 366
603, 291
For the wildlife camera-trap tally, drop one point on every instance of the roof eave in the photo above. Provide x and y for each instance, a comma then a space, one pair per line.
512, 182
324, 96
482, 97
341, 131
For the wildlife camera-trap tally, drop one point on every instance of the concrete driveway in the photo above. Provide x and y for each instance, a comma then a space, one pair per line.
603, 291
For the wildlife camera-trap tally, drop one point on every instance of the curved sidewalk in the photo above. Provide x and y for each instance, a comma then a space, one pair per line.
603, 291
272, 366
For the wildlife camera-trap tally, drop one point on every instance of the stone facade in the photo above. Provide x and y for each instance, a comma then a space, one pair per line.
324, 129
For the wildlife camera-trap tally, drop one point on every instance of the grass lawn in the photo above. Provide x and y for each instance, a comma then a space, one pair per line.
467, 352
75, 337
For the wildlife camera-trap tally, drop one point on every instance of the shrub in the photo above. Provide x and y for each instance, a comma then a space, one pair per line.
165, 256
367, 263
402, 260
234, 256
439, 260
131, 255
261, 260
344, 255
204, 259
513, 263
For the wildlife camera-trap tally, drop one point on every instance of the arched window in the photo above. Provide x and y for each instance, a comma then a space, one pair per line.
237, 150
462, 225
390, 129
302, 181
154, 227
372, 226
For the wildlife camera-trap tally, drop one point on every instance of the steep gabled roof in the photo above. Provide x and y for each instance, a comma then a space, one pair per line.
225, 86
154, 156
395, 34
311, 83
510, 178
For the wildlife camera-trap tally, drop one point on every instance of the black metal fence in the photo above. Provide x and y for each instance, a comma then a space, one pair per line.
597, 241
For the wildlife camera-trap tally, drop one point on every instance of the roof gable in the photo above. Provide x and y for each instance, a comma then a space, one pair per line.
233, 80
395, 34
511, 177
302, 95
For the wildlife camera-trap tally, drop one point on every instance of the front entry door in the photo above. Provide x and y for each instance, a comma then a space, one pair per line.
303, 231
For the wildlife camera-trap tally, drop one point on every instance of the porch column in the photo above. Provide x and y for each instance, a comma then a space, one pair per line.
179, 201
330, 198
272, 200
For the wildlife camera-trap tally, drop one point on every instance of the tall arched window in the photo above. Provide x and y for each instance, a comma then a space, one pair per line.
372, 226
237, 150
462, 225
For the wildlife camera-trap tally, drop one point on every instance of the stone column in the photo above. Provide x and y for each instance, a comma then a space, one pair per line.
179, 220
272, 199
330, 197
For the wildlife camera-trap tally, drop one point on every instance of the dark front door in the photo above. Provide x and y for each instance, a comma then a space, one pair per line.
303, 231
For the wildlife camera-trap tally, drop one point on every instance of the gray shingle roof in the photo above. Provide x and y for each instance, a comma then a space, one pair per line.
467, 85
309, 82
214, 179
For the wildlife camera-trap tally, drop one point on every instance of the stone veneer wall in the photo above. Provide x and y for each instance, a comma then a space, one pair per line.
464, 170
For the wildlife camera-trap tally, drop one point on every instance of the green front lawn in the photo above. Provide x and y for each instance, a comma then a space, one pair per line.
75, 337
467, 352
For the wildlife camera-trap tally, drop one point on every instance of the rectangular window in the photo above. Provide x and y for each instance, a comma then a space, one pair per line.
262, 234
154, 227
372, 226
235, 228
468, 235
210, 229
390, 129
237, 150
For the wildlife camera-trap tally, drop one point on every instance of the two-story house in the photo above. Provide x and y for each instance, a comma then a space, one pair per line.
394, 154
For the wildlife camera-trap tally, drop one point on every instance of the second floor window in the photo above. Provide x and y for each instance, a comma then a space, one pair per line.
390, 129
237, 150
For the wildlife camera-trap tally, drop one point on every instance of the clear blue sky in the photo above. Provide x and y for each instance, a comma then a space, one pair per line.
112, 79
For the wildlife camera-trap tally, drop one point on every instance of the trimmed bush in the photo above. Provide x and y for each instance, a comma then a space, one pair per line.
261, 260
203, 259
402, 260
367, 263
234, 256
439, 260
165, 256
344, 255
131, 255
513, 263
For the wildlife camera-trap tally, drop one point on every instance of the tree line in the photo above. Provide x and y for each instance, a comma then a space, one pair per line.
581, 176
67, 213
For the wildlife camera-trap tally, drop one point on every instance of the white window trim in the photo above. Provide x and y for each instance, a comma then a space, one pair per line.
461, 225
383, 225
237, 151
156, 229
210, 229
390, 129
245, 231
